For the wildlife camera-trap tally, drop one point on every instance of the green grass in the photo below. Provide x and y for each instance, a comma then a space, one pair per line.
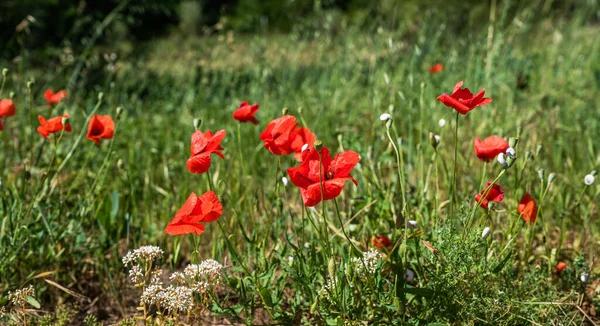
114, 198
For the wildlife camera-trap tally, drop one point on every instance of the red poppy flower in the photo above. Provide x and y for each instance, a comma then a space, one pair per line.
528, 208
196, 210
54, 98
52, 125
490, 147
204, 144
245, 113
278, 135
462, 100
560, 267
438, 67
495, 193
381, 241
336, 172
100, 127
300, 137
7, 108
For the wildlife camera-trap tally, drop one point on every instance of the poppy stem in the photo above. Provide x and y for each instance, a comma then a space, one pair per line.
211, 186
453, 184
243, 161
324, 225
3, 82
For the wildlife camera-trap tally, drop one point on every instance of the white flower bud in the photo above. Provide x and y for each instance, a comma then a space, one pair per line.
551, 177
511, 152
412, 224
584, 277
385, 117
285, 181
410, 275
437, 138
502, 160
442, 122
589, 179
485, 232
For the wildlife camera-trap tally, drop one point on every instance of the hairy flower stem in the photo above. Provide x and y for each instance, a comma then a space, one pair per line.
323, 231
453, 183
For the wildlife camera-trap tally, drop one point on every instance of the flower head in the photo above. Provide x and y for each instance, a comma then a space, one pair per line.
302, 139
245, 113
462, 100
560, 267
7, 108
589, 179
196, 210
54, 98
203, 145
381, 241
490, 147
485, 232
53, 125
438, 67
494, 193
528, 208
277, 136
100, 127
335, 173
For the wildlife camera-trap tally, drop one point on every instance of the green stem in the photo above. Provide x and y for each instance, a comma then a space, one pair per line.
453, 184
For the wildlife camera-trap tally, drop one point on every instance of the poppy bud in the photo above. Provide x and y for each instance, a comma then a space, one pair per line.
589, 179
119, 111
412, 224
560, 267
299, 109
410, 275
64, 121
485, 233
541, 174
30, 84
584, 277
442, 122
284, 111
11, 95
388, 124
100, 96
502, 160
318, 144
285, 181
511, 152
551, 177
197, 123
120, 164
4, 72
512, 142
385, 117
434, 140
538, 150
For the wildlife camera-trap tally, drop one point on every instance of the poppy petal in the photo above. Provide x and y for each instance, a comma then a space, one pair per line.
343, 163
181, 229
199, 163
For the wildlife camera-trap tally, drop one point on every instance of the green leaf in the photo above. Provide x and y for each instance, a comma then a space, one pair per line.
32, 301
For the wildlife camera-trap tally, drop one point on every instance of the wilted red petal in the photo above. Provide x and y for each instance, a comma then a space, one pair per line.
528, 208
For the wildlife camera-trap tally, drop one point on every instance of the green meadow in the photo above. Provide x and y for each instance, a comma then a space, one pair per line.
70, 210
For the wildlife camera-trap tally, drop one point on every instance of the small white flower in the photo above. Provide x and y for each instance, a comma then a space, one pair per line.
307, 245
442, 122
589, 179
290, 259
584, 277
385, 117
437, 138
304, 147
511, 152
412, 224
485, 232
285, 181
502, 160
410, 275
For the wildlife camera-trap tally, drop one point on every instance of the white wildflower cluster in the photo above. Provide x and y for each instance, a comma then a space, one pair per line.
136, 275
3, 312
19, 297
177, 278
209, 268
367, 264
200, 288
328, 288
172, 298
146, 254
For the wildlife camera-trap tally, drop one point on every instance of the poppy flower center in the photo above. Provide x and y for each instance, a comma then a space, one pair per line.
97, 130
329, 175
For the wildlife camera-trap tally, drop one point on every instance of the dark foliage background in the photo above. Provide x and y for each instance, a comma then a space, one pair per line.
37, 24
